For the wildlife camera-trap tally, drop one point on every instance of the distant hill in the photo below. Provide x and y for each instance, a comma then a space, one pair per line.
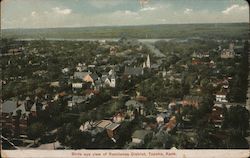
218, 31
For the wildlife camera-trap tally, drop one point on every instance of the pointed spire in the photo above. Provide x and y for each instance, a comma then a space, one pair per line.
148, 62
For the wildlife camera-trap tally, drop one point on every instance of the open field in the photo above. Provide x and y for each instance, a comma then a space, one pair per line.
216, 31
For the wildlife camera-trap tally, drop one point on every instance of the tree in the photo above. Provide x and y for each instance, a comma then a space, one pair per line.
36, 130
161, 140
236, 141
238, 117
84, 117
17, 122
205, 139
184, 142
206, 104
64, 134
125, 133
80, 140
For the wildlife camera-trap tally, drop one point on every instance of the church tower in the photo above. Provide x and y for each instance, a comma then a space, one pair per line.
148, 62
113, 81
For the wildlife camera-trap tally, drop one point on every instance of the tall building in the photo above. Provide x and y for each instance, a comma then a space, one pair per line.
113, 81
148, 62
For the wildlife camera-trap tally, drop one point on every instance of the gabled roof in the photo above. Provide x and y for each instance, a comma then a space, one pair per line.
81, 75
94, 76
113, 126
23, 110
104, 123
33, 108
9, 106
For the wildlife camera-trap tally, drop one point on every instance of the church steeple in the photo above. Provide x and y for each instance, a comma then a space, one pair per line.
148, 62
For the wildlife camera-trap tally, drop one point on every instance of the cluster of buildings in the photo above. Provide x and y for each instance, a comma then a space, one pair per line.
87, 80
17, 115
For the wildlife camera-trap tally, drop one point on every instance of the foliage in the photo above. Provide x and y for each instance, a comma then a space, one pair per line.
36, 130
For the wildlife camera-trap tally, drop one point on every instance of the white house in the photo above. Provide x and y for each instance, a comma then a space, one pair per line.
221, 97
77, 85
112, 81
65, 70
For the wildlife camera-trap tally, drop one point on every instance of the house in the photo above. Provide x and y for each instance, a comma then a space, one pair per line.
55, 84
65, 70
197, 61
91, 78
109, 79
77, 85
224, 83
162, 118
113, 81
119, 117
22, 115
227, 54
113, 50
133, 71
15, 117
7, 108
87, 126
191, 100
76, 100
171, 105
81, 75
105, 79
112, 131
100, 126
221, 97
134, 107
227, 104
23, 111
200, 54
81, 67
171, 124
141, 136
103, 123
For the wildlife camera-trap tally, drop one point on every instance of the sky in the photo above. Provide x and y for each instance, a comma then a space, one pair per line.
82, 13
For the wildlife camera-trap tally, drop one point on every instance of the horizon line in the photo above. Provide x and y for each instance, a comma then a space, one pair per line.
20, 28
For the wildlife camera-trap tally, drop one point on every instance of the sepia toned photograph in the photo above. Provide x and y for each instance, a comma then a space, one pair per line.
125, 78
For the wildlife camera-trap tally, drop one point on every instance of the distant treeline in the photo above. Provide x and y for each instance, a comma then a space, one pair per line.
216, 31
